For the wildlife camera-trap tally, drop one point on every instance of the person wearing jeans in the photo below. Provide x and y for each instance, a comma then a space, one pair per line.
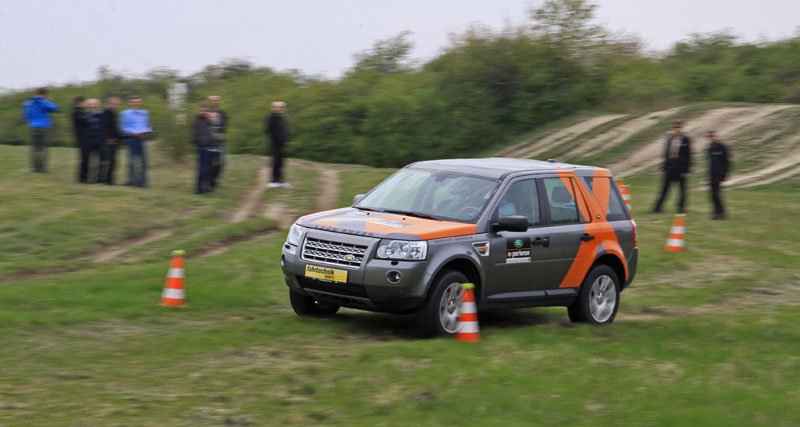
37, 111
135, 126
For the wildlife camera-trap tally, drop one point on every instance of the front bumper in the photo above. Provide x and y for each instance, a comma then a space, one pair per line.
368, 286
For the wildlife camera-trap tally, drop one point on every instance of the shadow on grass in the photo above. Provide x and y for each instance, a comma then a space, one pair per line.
383, 327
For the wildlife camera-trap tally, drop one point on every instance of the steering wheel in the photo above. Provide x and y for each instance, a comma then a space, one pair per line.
470, 211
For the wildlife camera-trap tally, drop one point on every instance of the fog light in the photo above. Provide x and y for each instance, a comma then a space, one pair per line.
394, 277
283, 261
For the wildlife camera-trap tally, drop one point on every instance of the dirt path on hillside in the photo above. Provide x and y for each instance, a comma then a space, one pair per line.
250, 201
327, 196
618, 134
118, 249
784, 168
529, 149
726, 121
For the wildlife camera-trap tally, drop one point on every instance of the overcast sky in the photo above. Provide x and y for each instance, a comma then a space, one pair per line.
50, 41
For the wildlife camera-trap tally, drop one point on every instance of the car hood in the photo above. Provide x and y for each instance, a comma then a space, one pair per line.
377, 224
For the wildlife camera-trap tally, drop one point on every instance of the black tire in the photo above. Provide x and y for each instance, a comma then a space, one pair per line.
428, 320
306, 306
581, 309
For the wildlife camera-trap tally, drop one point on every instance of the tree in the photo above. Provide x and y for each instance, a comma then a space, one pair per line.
567, 25
387, 56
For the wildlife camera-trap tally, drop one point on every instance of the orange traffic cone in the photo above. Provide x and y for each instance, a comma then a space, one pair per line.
626, 197
173, 295
468, 316
676, 242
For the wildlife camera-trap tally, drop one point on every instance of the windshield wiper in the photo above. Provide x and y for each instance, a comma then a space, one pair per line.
409, 213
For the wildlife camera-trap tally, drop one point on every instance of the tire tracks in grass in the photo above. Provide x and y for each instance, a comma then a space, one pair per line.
726, 121
557, 138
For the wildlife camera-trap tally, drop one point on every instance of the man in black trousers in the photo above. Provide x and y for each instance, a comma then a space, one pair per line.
80, 126
718, 168
111, 140
279, 136
677, 166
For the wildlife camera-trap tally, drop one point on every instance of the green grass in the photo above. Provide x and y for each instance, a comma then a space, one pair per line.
704, 337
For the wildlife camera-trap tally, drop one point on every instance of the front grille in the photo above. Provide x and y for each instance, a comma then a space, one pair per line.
331, 252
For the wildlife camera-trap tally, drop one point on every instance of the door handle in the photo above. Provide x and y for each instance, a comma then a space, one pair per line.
585, 237
542, 241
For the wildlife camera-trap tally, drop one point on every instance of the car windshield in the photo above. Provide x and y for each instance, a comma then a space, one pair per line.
431, 194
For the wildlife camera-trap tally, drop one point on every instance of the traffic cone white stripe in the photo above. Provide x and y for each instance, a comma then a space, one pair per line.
676, 242
468, 307
173, 293
175, 273
468, 327
677, 229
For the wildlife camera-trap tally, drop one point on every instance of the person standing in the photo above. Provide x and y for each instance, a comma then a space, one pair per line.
80, 127
95, 142
111, 141
677, 166
216, 150
135, 127
279, 136
718, 168
37, 111
201, 137
220, 123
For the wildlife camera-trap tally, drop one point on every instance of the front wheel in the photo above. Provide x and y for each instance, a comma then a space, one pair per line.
438, 316
598, 300
306, 306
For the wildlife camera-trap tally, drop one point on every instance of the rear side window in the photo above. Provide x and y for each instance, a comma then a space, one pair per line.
563, 209
521, 198
615, 211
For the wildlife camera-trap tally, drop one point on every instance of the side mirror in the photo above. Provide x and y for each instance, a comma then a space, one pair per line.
511, 223
358, 198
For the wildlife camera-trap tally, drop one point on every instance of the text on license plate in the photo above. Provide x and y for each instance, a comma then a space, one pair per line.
326, 273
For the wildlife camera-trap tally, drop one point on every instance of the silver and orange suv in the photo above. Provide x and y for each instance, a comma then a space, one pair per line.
527, 233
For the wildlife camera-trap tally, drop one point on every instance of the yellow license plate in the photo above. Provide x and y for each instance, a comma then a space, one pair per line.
326, 273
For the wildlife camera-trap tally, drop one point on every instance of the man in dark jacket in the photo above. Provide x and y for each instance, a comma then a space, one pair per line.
80, 126
37, 111
279, 136
111, 141
677, 166
220, 122
718, 168
202, 138
96, 140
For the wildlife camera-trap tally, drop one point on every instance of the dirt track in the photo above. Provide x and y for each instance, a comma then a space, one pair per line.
619, 134
529, 149
725, 121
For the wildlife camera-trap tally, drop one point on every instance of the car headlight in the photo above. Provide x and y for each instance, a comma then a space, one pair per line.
295, 235
402, 249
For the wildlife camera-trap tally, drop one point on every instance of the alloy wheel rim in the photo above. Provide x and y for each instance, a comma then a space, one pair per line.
448, 307
602, 299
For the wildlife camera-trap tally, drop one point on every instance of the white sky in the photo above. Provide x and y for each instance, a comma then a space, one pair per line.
55, 41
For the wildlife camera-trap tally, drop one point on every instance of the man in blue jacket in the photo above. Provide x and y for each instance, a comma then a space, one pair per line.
135, 125
37, 111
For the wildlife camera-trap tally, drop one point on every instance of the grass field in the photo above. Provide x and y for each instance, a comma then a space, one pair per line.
706, 337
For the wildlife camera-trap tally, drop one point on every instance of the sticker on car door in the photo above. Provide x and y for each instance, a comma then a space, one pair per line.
518, 250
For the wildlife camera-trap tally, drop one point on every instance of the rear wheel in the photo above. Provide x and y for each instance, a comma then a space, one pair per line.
438, 316
598, 300
307, 306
